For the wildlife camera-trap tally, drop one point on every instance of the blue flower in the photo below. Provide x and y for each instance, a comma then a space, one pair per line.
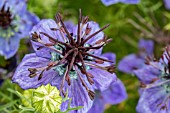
136, 61
110, 2
115, 94
15, 23
155, 79
69, 58
167, 4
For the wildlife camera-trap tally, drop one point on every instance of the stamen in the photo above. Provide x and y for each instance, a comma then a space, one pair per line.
88, 38
35, 37
90, 93
46, 45
68, 34
62, 43
78, 30
96, 57
71, 64
66, 55
158, 84
97, 47
85, 20
63, 80
110, 69
84, 69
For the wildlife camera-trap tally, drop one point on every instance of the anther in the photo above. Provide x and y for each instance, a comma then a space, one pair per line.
91, 94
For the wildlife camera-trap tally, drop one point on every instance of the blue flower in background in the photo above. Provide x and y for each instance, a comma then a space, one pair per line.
115, 94
167, 4
156, 89
110, 2
69, 57
136, 61
15, 23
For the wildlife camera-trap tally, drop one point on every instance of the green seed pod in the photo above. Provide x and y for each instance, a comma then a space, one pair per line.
44, 99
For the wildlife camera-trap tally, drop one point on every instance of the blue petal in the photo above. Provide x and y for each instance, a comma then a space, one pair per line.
130, 63
45, 26
147, 73
115, 94
167, 4
9, 47
146, 45
98, 106
102, 79
153, 99
28, 20
76, 92
16, 6
21, 75
110, 56
110, 2
69, 25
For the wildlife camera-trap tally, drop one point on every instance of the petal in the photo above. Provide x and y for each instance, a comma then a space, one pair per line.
45, 26
110, 56
98, 106
69, 25
94, 27
152, 100
115, 94
28, 20
16, 6
147, 73
77, 93
110, 2
21, 75
130, 63
102, 79
167, 4
9, 47
147, 45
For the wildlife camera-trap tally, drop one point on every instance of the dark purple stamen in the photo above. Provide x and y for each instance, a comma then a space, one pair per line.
5, 17
74, 52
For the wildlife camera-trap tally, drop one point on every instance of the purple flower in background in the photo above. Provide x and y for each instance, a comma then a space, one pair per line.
15, 23
115, 94
155, 85
136, 61
69, 58
110, 2
167, 4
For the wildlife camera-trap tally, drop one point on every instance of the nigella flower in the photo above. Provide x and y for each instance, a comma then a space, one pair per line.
15, 23
156, 88
136, 61
69, 59
167, 4
110, 2
115, 94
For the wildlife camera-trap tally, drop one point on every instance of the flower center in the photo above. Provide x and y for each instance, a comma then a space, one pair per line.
5, 17
74, 56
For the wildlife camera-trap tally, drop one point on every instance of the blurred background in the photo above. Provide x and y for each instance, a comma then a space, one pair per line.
123, 30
